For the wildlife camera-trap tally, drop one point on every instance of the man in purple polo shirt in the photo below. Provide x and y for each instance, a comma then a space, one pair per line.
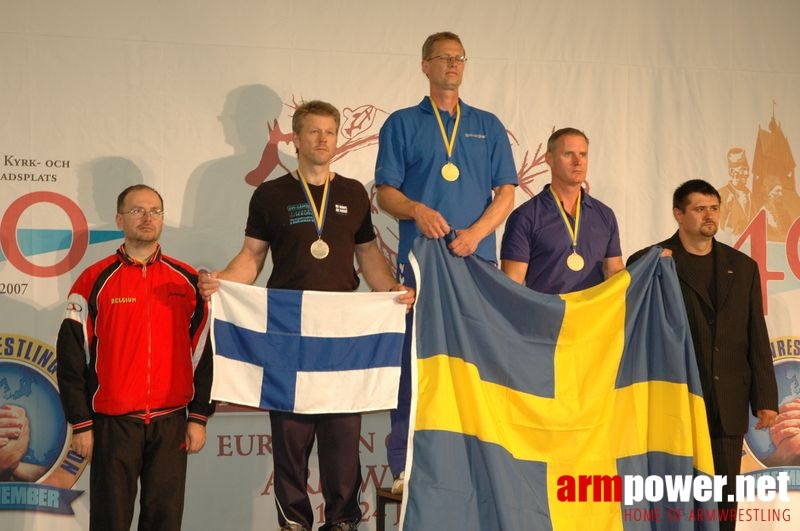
562, 239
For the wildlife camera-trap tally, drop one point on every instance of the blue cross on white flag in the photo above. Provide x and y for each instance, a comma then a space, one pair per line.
306, 351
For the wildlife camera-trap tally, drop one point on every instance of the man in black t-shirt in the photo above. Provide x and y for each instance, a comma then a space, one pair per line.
315, 222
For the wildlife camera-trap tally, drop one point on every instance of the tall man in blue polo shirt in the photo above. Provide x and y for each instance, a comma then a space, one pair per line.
562, 239
442, 165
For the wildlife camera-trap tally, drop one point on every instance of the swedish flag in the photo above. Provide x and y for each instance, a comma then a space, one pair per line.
515, 389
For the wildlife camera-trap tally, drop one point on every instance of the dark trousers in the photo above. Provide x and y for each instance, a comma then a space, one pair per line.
727, 453
127, 451
397, 445
338, 437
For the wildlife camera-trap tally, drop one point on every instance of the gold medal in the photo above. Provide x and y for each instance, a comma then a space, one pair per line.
575, 261
320, 249
450, 172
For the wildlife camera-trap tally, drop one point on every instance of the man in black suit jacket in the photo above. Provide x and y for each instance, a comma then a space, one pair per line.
722, 293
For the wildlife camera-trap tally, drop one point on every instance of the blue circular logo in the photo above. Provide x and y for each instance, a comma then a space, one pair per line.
760, 442
23, 386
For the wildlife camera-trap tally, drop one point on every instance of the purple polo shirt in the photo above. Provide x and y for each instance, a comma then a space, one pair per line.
535, 234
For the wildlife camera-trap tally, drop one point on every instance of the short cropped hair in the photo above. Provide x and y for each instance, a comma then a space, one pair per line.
551, 142
316, 107
427, 46
135, 188
680, 198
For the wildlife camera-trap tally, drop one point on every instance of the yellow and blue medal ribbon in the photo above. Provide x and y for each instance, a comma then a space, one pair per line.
319, 249
574, 261
449, 171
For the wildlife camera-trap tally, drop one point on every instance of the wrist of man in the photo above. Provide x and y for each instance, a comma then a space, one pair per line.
414, 210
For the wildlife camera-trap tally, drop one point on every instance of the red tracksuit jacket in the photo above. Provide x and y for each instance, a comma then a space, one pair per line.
134, 342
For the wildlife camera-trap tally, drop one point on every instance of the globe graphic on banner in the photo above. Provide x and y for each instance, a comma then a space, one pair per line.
787, 374
22, 385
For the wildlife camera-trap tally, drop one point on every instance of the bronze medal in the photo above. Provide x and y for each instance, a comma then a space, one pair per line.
575, 261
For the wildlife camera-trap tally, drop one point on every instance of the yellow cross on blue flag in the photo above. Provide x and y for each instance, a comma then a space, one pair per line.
528, 409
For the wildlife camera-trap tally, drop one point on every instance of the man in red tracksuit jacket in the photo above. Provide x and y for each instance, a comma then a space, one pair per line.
133, 358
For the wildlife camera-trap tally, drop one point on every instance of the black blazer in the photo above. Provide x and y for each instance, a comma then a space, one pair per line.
734, 335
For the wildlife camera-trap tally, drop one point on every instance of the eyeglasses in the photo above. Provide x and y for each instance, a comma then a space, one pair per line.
139, 212
449, 59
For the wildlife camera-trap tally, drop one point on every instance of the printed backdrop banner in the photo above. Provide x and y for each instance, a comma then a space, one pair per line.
196, 98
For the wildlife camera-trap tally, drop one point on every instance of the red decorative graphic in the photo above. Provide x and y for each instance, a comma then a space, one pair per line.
8, 234
356, 128
531, 166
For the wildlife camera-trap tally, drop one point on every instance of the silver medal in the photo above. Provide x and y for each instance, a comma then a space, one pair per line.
320, 249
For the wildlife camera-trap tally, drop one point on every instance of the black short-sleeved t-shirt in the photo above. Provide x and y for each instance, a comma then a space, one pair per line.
281, 216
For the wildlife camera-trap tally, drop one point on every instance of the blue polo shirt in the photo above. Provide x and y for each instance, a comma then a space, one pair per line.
536, 235
411, 153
